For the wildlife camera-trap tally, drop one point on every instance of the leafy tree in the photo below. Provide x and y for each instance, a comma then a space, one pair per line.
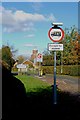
70, 43
7, 56
47, 58
0, 54
20, 59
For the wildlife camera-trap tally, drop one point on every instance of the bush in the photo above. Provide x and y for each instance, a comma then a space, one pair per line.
67, 70
71, 70
14, 69
47, 69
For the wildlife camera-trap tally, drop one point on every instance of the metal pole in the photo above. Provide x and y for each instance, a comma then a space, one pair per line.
61, 62
39, 69
55, 89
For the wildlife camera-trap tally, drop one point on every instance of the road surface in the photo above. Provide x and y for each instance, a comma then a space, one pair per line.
64, 82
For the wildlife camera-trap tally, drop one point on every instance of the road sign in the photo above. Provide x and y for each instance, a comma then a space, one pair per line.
55, 47
56, 34
39, 57
21, 66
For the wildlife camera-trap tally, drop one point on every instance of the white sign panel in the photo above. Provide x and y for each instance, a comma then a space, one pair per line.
39, 58
21, 66
55, 47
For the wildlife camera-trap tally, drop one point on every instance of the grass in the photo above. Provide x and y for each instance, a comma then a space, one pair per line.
39, 101
32, 84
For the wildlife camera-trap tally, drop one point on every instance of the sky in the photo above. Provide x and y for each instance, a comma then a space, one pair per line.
25, 25
39, 0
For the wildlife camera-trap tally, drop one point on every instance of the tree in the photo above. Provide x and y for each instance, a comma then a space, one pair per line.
47, 58
7, 56
70, 42
20, 59
0, 54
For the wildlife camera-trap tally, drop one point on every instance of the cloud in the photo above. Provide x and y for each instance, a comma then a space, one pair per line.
30, 36
37, 6
22, 16
51, 17
20, 20
30, 45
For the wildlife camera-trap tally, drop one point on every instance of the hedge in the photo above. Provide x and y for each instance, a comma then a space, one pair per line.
67, 70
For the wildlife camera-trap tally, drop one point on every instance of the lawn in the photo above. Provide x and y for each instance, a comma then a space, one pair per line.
32, 84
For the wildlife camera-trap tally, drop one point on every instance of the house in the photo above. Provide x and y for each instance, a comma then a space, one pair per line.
28, 63
25, 66
21, 68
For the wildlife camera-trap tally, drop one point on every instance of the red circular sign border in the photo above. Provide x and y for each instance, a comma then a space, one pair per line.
56, 40
39, 55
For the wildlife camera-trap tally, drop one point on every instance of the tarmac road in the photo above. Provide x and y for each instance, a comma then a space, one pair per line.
69, 79
64, 82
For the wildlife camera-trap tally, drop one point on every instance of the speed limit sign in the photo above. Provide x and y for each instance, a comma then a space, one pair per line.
56, 34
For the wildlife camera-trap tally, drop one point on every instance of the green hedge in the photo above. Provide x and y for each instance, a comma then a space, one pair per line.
66, 70
71, 70
14, 69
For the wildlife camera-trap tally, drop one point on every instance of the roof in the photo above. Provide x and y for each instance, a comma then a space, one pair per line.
27, 62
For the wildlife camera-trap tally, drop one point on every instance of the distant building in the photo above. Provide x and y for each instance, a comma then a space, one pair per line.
28, 63
34, 54
23, 67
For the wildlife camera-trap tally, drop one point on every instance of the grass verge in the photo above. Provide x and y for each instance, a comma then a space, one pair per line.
32, 84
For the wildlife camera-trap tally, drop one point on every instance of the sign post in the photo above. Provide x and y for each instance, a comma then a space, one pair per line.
55, 34
40, 59
55, 89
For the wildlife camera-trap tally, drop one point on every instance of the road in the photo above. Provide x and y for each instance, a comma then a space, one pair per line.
64, 82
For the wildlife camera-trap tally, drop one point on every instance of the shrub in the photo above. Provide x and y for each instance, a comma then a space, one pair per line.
67, 70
